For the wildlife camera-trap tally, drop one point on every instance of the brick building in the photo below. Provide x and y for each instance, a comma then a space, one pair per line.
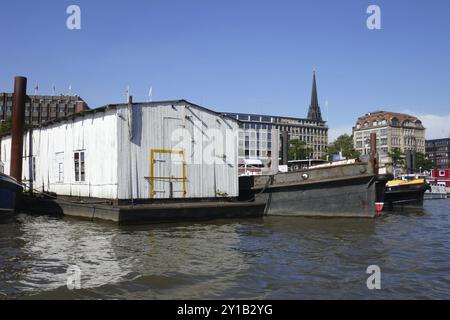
438, 151
39, 109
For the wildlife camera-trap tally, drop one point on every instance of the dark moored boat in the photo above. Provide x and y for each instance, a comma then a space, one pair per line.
9, 189
405, 193
346, 189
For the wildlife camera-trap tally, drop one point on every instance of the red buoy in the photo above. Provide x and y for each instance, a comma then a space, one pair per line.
378, 208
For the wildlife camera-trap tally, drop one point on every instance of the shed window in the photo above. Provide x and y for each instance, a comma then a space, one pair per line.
79, 166
59, 167
61, 172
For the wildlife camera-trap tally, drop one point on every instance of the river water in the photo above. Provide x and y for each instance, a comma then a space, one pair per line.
270, 258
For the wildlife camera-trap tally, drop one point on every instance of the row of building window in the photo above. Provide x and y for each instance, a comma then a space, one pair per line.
438, 149
438, 154
245, 117
393, 123
374, 124
439, 143
44, 108
257, 126
259, 135
310, 139
254, 153
396, 141
295, 130
384, 132
79, 166
261, 118
441, 161
255, 144
299, 130
366, 134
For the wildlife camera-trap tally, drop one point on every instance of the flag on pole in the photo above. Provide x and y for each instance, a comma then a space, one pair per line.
36, 89
54, 90
150, 94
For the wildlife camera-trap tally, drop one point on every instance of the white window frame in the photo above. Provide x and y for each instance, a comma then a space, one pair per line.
80, 171
59, 160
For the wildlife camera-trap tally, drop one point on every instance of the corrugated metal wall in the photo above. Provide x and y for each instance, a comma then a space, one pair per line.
161, 128
117, 167
54, 147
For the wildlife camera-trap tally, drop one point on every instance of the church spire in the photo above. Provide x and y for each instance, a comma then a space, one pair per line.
314, 108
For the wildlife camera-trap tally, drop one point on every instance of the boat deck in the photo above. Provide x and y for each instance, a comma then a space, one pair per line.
145, 213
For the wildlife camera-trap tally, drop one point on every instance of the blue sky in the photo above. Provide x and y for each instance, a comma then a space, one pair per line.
238, 56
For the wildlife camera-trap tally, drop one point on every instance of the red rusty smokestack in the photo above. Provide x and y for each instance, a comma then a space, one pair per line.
17, 130
373, 151
373, 144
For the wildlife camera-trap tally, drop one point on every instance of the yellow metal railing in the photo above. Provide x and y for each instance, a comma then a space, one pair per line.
152, 170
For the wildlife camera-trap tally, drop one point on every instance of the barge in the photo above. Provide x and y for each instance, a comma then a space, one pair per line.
343, 189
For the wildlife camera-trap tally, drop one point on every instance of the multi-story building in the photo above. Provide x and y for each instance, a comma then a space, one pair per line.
257, 132
438, 151
39, 109
394, 130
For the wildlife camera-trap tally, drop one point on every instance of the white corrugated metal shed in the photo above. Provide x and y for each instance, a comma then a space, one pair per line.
169, 149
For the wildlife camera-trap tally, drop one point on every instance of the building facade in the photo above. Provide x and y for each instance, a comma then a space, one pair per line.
39, 109
438, 151
145, 151
394, 131
441, 176
258, 133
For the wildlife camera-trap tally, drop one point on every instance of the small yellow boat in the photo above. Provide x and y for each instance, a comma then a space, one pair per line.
405, 192
398, 182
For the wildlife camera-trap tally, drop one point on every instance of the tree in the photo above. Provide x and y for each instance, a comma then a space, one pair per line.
298, 150
422, 162
5, 127
323, 157
344, 144
397, 158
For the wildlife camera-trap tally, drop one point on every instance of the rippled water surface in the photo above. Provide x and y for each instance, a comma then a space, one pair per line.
270, 258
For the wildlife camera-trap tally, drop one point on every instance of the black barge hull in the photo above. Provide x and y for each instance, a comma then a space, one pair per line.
405, 196
339, 191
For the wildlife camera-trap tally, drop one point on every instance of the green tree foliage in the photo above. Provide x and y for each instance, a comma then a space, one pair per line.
397, 157
5, 127
344, 144
298, 150
423, 162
